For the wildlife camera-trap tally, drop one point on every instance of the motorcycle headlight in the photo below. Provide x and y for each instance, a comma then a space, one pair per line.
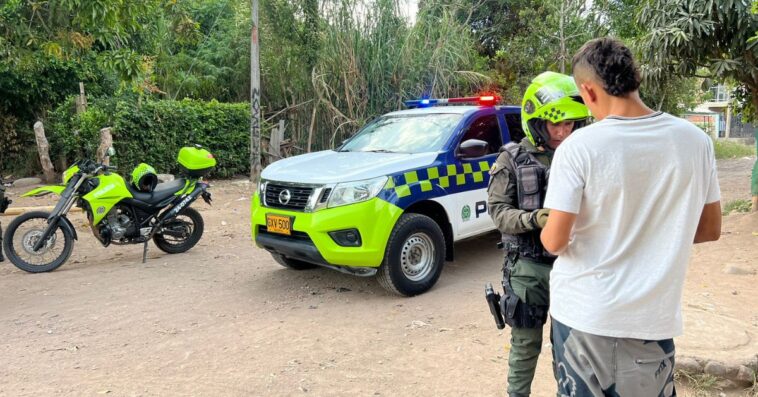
355, 192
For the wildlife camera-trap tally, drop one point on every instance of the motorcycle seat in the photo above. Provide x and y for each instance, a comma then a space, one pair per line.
160, 193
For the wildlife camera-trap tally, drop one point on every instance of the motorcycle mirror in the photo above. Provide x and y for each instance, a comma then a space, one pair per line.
111, 151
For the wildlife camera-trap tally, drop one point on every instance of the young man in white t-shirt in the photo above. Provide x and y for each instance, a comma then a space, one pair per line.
628, 196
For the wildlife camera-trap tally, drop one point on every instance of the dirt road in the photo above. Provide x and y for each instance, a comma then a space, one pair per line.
225, 319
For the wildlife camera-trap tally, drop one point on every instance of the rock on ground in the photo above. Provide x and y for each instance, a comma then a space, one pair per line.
25, 182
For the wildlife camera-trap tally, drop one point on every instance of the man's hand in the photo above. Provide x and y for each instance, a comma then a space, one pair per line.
538, 218
555, 236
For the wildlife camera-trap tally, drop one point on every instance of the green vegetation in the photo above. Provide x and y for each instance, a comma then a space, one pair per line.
731, 150
711, 39
739, 205
703, 385
154, 131
328, 66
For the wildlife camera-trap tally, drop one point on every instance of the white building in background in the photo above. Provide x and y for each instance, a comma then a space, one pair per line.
716, 116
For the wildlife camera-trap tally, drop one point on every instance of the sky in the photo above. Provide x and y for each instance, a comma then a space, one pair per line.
409, 9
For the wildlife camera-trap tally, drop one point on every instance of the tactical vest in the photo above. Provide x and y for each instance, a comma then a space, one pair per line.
531, 184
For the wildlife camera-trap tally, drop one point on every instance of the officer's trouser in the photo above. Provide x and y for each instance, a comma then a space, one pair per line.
530, 282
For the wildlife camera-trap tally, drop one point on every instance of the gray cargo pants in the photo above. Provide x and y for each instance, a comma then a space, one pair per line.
587, 365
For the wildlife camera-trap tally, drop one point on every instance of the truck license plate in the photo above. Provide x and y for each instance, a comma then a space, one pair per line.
279, 224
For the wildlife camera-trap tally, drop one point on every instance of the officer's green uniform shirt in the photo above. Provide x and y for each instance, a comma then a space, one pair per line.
502, 199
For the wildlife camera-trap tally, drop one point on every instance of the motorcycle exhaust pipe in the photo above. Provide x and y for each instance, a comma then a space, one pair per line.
174, 211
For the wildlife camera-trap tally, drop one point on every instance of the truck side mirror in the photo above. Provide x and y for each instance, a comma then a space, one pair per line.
472, 148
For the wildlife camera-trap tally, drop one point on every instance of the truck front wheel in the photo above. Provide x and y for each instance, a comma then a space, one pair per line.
414, 256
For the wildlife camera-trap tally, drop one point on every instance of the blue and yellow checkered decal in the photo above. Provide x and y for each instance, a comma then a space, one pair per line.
406, 188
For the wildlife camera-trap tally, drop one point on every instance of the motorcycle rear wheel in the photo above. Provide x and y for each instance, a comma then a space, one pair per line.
181, 233
24, 232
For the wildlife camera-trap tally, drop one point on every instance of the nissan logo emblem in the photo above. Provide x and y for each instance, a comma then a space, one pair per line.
284, 197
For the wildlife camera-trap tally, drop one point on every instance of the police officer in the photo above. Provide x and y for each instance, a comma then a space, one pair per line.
551, 109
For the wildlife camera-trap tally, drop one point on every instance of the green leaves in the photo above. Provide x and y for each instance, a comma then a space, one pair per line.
154, 131
684, 36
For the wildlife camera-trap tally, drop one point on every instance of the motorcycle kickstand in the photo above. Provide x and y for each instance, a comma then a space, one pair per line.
144, 252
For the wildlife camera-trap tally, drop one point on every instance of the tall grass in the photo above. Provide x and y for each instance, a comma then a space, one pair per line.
731, 150
370, 59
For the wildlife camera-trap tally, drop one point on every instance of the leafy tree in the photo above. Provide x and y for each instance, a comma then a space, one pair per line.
521, 38
687, 37
202, 50
47, 47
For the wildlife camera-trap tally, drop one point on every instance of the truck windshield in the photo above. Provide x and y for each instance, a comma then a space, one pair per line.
404, 133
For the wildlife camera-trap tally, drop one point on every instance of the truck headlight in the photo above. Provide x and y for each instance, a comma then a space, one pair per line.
355, 192
261, 188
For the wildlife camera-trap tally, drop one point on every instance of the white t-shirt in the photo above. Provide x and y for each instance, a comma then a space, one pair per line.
638, 187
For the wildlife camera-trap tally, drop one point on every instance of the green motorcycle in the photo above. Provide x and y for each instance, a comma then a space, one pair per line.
118, 212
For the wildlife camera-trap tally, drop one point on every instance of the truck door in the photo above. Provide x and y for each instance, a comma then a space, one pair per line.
471, 215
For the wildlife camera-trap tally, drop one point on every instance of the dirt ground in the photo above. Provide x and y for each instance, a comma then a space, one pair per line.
225, 319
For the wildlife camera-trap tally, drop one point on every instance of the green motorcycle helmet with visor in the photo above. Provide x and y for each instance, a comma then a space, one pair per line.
144, 178
551, 97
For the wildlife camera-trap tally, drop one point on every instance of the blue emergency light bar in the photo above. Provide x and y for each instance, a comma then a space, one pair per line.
484, 100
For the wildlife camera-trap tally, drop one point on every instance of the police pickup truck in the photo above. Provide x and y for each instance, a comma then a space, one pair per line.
391, 201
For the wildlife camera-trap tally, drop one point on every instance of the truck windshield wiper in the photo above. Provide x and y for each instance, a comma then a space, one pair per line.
379, 151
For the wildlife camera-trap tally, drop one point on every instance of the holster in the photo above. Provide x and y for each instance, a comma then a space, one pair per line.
516, 312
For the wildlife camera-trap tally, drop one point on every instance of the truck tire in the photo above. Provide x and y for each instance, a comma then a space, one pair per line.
414, 256
292, 263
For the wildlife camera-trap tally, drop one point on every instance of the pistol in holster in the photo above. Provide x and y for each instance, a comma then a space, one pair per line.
509, 308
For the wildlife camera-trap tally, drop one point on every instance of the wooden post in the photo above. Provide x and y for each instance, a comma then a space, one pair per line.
44, 152
275, 143
81, 100
106, 141
255, 97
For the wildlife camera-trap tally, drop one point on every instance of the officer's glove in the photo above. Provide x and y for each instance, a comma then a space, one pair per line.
538, 218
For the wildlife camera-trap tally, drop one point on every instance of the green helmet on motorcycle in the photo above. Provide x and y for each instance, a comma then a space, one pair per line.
144, 178
551, 97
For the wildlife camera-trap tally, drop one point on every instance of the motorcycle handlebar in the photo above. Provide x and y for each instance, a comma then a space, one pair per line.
90, 167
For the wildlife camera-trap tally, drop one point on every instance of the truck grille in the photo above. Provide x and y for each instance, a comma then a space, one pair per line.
277, 198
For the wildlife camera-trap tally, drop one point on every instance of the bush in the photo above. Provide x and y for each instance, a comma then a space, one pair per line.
154, 131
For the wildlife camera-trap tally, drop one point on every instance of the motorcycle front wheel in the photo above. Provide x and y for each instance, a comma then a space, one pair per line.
24, 232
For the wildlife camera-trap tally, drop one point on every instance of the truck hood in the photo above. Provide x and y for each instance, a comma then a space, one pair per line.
329, 166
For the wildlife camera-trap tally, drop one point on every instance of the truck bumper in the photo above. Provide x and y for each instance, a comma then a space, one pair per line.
311, 242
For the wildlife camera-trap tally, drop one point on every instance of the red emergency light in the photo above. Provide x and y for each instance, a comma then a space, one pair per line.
483, 100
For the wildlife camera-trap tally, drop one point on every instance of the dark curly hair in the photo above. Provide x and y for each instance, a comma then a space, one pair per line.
611, 62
